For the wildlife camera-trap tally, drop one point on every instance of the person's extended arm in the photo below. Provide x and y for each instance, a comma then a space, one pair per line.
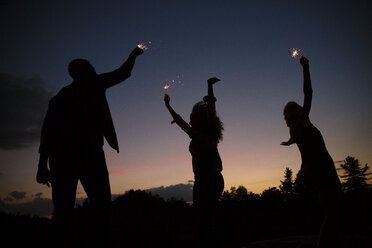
177, 118
110, 79
288, 143
210, 99
308, 91
292, 138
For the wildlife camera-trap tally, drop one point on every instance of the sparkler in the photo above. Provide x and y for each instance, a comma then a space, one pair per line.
144, 45
295, 52
173, 82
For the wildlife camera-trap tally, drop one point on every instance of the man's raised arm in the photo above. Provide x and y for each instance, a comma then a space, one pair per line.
117, 76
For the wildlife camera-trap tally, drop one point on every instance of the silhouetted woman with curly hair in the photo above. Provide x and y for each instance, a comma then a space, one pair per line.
205, 130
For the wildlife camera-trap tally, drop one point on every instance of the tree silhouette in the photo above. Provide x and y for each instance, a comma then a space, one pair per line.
286, 186
354, 174
271, 196
237, 194
298, 185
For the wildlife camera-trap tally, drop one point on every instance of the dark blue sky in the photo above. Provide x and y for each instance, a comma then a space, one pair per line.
244, 43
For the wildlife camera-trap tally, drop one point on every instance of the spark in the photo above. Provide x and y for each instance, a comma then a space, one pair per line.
173, 82
142, 46
295, 52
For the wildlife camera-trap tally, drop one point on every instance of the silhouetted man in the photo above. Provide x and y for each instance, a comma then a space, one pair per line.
72, 137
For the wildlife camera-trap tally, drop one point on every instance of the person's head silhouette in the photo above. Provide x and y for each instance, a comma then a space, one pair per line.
199, 115
81, 69
202, 122
291, 113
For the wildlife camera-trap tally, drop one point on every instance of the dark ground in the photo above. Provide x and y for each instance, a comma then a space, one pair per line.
139, 219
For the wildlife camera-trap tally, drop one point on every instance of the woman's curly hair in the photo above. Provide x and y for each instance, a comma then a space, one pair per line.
210, 125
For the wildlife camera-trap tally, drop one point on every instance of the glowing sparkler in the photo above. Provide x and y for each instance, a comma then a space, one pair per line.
144, 45
173, 82
295, 52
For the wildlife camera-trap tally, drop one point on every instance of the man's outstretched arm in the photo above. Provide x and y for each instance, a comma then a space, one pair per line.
117, 76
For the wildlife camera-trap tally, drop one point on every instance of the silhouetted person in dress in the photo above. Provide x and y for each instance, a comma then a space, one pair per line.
317, 168
205, 130
77, 121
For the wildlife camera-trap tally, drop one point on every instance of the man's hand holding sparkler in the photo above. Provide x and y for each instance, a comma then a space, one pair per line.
137, 51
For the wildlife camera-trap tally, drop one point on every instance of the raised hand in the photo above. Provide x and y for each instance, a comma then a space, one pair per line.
285, 143
304, 61
166, 99
213, 80
137, 51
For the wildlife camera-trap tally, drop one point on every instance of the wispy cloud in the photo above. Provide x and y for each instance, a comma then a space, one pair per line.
124, 171
38, 195
17, 195
23, 102
8, 199
179, 191
338, 161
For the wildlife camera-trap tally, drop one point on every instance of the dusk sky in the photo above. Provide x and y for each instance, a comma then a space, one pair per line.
244, 43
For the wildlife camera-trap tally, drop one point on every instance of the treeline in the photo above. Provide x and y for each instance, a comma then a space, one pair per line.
141, 219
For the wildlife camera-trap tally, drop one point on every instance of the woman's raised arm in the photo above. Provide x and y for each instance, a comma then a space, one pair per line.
308, 91
177, 118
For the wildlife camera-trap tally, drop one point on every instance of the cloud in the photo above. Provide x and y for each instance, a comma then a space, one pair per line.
23, 102
179, 191
124, 171
38, 195
17, 195
120, 172
38, 206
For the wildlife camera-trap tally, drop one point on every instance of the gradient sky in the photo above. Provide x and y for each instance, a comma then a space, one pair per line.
244, 43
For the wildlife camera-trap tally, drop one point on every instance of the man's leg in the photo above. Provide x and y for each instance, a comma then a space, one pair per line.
64, 182
94, 178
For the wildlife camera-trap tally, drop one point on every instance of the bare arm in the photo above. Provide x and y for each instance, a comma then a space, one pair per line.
292, 138
117, 76
288, 143
308, 91
210, 99
177, 118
